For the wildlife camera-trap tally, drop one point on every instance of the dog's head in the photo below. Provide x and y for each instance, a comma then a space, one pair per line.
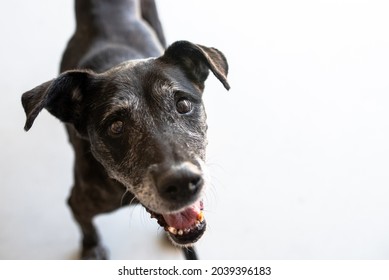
146, 124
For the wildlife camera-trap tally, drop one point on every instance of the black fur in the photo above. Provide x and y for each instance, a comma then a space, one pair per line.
137, 124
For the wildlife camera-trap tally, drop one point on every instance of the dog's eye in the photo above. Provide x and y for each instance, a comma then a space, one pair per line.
116, 128
183, 106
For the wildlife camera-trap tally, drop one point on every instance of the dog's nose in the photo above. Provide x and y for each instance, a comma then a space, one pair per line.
180, 183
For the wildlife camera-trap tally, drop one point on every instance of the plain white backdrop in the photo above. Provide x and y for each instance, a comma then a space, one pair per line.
298, 148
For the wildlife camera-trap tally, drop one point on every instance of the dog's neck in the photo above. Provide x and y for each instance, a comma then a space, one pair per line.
104, 16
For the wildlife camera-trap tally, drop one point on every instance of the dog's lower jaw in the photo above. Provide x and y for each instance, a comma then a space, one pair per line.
183, 228
188, 239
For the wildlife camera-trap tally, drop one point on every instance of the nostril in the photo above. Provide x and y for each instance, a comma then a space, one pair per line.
171, 190
195, 185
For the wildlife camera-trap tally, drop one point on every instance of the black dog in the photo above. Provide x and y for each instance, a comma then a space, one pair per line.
135, 118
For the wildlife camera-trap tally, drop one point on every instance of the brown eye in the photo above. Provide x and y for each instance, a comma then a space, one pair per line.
184, 106
116, 128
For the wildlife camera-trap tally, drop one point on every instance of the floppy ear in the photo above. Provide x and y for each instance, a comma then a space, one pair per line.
197, 60
61, 97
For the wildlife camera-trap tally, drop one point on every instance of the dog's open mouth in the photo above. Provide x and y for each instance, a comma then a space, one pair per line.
185, 227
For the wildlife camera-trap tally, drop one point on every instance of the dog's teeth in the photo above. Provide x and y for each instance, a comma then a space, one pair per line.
172, 230
187, 230
200, 216
180, 232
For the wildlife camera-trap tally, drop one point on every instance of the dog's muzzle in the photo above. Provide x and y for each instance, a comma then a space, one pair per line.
180, 186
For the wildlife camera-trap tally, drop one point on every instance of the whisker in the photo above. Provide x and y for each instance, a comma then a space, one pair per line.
123, 196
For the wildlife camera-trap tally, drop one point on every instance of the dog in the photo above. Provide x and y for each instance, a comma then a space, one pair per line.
134, 114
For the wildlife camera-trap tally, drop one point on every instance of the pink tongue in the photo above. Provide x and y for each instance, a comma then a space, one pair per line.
184, 219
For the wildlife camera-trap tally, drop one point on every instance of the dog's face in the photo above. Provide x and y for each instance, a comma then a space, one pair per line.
146, 124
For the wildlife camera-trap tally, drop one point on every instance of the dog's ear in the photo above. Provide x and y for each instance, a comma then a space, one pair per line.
61, 97
197, 60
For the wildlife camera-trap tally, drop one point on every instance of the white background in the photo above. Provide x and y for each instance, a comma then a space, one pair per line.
298, 147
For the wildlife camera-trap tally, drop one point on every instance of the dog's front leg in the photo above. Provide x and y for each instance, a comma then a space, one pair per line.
92, 248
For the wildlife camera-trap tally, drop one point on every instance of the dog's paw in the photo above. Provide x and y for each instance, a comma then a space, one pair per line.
94, 253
